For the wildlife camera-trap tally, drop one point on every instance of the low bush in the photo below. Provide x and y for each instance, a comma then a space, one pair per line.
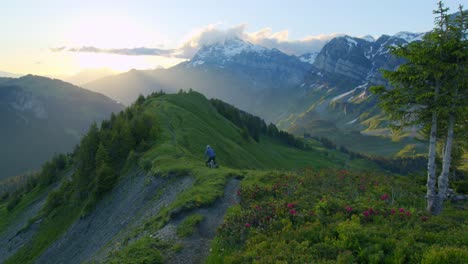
337, 216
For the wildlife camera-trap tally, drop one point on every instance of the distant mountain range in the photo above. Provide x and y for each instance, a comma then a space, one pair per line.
88, 75
41, 116
251, 77
331, 86
9, 75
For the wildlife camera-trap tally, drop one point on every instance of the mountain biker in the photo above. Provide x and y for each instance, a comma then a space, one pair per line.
211, 155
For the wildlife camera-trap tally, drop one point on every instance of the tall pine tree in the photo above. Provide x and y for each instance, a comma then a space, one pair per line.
430, 91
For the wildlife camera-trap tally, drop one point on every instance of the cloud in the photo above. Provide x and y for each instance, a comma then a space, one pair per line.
265, 37
141, 51
280, 40
211, 34
58, 49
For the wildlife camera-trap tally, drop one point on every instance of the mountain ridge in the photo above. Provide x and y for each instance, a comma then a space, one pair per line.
42, 116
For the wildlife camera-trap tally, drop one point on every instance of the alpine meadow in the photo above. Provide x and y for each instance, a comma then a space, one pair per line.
234, 132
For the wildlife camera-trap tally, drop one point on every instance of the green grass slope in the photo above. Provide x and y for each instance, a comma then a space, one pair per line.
164, 135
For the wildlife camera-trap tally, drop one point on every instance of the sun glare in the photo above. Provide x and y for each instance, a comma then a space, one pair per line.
121, 63
108, 32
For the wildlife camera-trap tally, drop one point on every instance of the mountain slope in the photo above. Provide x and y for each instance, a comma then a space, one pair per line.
137, 187
145, 167
9, 75
283, 89
88, 75
335, 93
251, 77
41, 117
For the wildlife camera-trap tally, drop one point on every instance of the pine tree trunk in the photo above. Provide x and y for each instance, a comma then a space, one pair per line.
431, 195
447, 158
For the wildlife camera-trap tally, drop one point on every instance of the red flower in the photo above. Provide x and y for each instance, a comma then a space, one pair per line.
238, 192
349, 209
293, 212
384, 197
247, 225
291, 205
366, 213
408, 213
393, 211
402, 210
424, 218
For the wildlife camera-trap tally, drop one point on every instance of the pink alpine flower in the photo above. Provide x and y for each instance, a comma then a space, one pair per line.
366, 213
393, 211
290, 205
247, 225
424, 218
384, 197
402, 210
408, 213
293, 212
349, 209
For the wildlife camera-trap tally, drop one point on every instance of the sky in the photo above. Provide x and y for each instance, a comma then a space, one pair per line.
60, 38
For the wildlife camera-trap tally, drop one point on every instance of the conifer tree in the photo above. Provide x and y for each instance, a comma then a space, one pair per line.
430, 91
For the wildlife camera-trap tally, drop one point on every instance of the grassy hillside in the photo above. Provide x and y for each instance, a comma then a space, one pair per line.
159, 141
164, 136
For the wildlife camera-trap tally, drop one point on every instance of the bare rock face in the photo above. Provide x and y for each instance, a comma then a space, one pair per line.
345, 56
23, 101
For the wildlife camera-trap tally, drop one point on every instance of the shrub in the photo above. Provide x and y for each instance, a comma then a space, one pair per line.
187, 227
143, 251
14, 202
445, 255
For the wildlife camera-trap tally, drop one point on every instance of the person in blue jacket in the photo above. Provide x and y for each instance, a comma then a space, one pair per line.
210, 153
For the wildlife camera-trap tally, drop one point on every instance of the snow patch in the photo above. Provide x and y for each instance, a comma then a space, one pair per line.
198, 62
352, 121
351, 42
368, 38
309, 57
363, 86
409, 36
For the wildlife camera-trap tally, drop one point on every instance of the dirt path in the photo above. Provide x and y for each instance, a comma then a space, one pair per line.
197, 247
131, 199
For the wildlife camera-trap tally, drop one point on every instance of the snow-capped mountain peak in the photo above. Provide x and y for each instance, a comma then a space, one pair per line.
225, 51
368, 38
409, 36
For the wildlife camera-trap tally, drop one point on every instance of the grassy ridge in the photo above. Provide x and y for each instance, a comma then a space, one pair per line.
183, 125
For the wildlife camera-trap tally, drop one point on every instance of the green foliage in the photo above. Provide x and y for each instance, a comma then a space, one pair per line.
146, 250
445, 255
58, 197
103, 152
169, 133
336, 216
98, 161
186, 228
14, 201
254, 126
461, 186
